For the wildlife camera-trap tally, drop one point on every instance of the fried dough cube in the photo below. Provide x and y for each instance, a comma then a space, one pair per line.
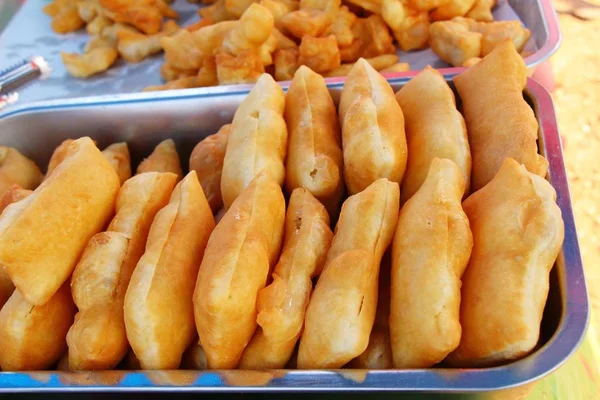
244, 68
170, 73
306, 22
207, 160
281, 306
158, 308
110, 32
15, 168
118, 156
517, 235
341, 27
314, 160
258, 140
454, 42
319, 54
98, 24
97, 42
134, 47
373, 138
286, 64
482, 10
500, 123
378, 39
454, 8
283, 42
237, 8
142, 14
410, 27
399, 67
427, 5
209, 40
252, 30
434, 129
426, 273
51, 9
341, 311
93, 62
207, 75
495, 33
164, 158
379, 63
351, 53
97, 340
88, 9
216, 12
67, 20
278, 9
239, 256
181, 51
32, 337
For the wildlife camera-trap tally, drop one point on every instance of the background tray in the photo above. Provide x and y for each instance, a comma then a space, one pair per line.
29, 34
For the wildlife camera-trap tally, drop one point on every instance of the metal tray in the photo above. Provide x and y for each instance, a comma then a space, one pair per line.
187, 116
537, 15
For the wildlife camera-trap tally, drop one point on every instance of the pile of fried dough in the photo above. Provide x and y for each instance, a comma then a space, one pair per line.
236, 41
389, 231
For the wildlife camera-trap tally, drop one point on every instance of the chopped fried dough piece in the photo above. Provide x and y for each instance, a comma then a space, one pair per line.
244, 68
286, 64
87, 64
319, 54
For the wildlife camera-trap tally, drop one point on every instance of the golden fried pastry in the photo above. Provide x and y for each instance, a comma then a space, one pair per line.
319, 54
118, 156
42, 236
237, 8
431, 248
209, 40
375, 36
258, 140
500, 123
240, 253
266, 50
110, 32
32, 337
170, 73
283, 42
341, 27
471, 61
517, 235
434, 129
207, 160
251, 31
145, 16
351, 53
164, 158
454, 42
17, 169
378, 63
97, 25
181, 51
66, 18
372, 129
51, 9
12, 195
87, 64
378, 354
207, 75
427, 5
282, 304
306, 22
373, 6
314, 159
286, 64
495, 33
482, 10
451, 9
134, 47
194, 358
410, 27
199, 24
399, 67
159, 318
341, 311
58, 155
277, 9
97, 339
246, 67
216, 12
99, 41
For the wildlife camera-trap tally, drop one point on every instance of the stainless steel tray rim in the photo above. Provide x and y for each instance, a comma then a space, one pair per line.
550, 356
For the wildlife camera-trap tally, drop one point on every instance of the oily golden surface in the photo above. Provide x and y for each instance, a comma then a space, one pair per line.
240, 253
517, 235
341, 311
500, 124
374, 143
17, 169
164, 158
43, 235
159, 316
434, 129
430, 252
282, 304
